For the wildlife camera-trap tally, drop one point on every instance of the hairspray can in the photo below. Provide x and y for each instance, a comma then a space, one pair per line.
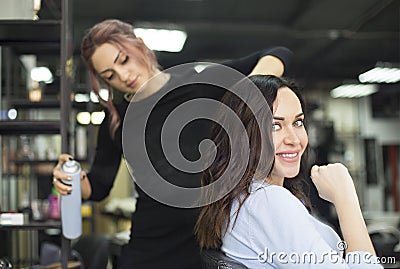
71, 217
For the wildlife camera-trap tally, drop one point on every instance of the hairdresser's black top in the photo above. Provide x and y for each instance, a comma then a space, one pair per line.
162, 236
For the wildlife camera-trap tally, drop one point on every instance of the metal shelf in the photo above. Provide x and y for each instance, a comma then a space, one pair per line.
44, 225
19, 127
33, 161
44, 104
43, 36
26, 104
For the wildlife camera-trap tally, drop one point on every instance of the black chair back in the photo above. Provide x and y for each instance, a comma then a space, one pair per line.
216, 259
94, 250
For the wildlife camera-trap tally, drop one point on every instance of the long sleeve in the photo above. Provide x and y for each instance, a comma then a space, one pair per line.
105, 164
274, 229
246, 64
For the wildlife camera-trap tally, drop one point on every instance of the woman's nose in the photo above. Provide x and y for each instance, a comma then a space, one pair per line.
123, 74
291, 136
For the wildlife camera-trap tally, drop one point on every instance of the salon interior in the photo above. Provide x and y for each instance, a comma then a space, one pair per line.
346, 60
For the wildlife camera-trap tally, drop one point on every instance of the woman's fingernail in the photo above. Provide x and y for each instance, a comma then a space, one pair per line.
69, 178
69, 189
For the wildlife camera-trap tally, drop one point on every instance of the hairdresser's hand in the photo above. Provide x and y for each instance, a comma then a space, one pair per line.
333, 182
61, 187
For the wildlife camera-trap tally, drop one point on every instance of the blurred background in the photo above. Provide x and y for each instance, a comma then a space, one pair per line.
346, 58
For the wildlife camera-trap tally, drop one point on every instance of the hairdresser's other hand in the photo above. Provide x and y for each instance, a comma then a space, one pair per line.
62, 188
333, 182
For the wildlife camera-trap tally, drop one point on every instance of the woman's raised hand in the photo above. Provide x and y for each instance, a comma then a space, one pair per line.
333, 182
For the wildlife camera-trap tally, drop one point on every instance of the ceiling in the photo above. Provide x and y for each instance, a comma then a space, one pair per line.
333, 40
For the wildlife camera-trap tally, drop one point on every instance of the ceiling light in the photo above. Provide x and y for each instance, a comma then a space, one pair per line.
380, 75
103, 94
12, 114
82, 98
97, 117
42, 74
35, 95
19, 9
162, 39
83, 118
353, 90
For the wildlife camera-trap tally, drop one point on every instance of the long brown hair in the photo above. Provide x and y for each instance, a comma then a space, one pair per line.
215, 217
119, 34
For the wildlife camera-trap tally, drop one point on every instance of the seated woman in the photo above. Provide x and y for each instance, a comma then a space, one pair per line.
264, 221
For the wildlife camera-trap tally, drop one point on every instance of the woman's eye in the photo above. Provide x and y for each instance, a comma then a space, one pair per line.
275, 127
298, 123
125, 59
110, 77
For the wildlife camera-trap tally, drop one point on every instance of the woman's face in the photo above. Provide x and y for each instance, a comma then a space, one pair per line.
289, 135
118, 69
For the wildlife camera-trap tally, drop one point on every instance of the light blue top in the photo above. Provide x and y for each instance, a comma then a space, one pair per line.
275, 230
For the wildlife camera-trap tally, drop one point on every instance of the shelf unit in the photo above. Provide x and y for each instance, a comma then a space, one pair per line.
30, 127
51, 224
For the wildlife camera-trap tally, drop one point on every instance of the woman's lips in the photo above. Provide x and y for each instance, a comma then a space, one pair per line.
132, 83
289, 157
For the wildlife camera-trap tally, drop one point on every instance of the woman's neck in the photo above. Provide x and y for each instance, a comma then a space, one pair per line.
274, 180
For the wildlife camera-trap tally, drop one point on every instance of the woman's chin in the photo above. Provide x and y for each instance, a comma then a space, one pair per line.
291, 174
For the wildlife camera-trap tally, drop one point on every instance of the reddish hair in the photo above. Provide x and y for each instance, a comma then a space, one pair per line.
121, 35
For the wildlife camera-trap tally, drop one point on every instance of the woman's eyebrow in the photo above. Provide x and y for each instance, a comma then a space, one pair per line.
283, 118
278, 118
116, 58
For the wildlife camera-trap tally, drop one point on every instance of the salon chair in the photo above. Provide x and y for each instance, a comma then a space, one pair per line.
216, 259
94, 250
51, 254
386, 241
